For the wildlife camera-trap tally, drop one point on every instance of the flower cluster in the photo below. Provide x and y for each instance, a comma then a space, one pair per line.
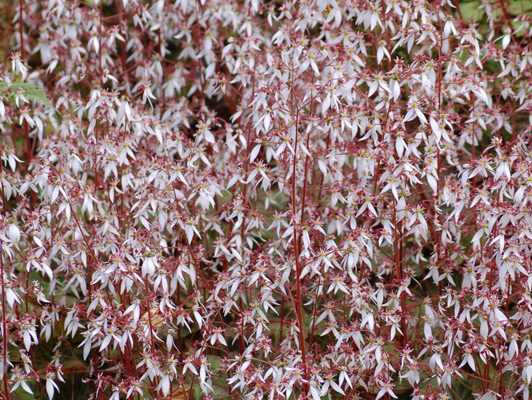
255, 199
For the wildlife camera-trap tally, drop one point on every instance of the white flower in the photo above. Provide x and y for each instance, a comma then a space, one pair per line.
13, 233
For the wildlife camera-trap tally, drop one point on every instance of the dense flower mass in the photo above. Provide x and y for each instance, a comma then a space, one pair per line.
265, 199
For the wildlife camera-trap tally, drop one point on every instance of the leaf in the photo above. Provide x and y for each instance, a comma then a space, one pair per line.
214, 362
20, 394
520, 7
29, 90
471, 11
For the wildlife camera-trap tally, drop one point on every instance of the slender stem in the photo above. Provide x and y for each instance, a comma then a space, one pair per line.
100, 48
281, 323
438, 155
5, 333
298, 300
304, 194
505, 14
402, 297
245, 204
307, 160
241, 344
21, 26
28, 148
89, 248
148, 306
398, 256
314, 313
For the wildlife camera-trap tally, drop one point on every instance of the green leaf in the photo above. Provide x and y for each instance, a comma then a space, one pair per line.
520, 7
471, 11
30, 91
21, 394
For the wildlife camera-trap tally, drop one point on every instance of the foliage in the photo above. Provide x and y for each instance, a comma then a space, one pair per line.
305, 199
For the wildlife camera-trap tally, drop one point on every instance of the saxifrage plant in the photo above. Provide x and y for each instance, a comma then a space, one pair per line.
265, 199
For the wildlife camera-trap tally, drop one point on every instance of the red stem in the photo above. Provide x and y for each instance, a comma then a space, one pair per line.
298, 299
148, 306
438, 155
245, 206
21, 26
5, 332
